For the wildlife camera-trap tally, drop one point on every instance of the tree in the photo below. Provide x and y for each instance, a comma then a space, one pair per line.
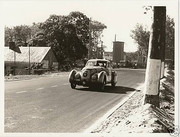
80, 22
38, 39
169, 53
22, 34
96, 30
67, 35
141, 36
35, 28
19, 34
132, 56
9, 34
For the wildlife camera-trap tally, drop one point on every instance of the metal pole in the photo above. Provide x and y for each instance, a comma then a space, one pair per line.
153, 71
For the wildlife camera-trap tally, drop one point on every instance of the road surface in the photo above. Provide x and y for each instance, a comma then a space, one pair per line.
48, 104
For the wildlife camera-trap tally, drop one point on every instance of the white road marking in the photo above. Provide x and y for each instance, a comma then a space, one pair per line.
54, 86
40, 88
36, 117
20, 92
66, 84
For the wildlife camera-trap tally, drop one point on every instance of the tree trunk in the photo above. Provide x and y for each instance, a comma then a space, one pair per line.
153, 71
162, 40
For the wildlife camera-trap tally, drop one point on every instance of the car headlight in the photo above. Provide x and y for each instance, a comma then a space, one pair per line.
85, 74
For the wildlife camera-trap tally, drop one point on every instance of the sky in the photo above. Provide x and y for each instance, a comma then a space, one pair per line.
120, 16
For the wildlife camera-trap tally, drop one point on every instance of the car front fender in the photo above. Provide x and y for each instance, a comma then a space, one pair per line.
71, 75
101, 76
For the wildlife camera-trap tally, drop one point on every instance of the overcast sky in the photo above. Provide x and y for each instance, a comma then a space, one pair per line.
120, 16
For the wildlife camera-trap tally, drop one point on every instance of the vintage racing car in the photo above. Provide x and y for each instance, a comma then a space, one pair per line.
96, 73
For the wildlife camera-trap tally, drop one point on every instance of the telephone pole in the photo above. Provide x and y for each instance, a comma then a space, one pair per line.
162, 40
156, 44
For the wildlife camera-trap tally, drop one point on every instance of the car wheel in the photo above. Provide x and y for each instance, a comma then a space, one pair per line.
91, 87
103, 85
113, 84
73, 85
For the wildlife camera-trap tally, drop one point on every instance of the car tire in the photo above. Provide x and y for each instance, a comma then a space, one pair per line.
102, 86
113, 84
92, 87
73, 85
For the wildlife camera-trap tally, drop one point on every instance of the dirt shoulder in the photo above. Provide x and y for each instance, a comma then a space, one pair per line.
135, 117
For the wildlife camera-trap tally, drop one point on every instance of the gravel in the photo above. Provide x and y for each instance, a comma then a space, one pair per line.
135, 117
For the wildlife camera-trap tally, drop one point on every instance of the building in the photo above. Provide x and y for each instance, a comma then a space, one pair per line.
33, 56
118, 51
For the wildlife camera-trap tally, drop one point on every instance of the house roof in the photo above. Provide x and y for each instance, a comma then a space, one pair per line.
37, 54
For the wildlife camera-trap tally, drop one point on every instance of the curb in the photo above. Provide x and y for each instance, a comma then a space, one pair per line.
111, 111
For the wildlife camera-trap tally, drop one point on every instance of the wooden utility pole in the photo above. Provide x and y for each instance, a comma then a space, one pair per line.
162, 40
153, 71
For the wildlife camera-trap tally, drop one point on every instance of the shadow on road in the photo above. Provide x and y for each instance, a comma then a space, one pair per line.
109, 89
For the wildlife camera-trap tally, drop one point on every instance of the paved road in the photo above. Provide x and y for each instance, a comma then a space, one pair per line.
48, 104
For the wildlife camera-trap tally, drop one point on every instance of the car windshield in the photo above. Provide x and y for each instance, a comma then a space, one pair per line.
97, 63
91, 63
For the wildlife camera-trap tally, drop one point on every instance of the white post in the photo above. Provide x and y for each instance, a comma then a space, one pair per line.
153, 70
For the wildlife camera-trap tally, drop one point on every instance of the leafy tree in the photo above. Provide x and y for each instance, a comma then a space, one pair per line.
9, 34
170, 31
132, 56
38, 39
67, 35
96, 30
22, 34
80, 22
19, 34
35, 28
141, 36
